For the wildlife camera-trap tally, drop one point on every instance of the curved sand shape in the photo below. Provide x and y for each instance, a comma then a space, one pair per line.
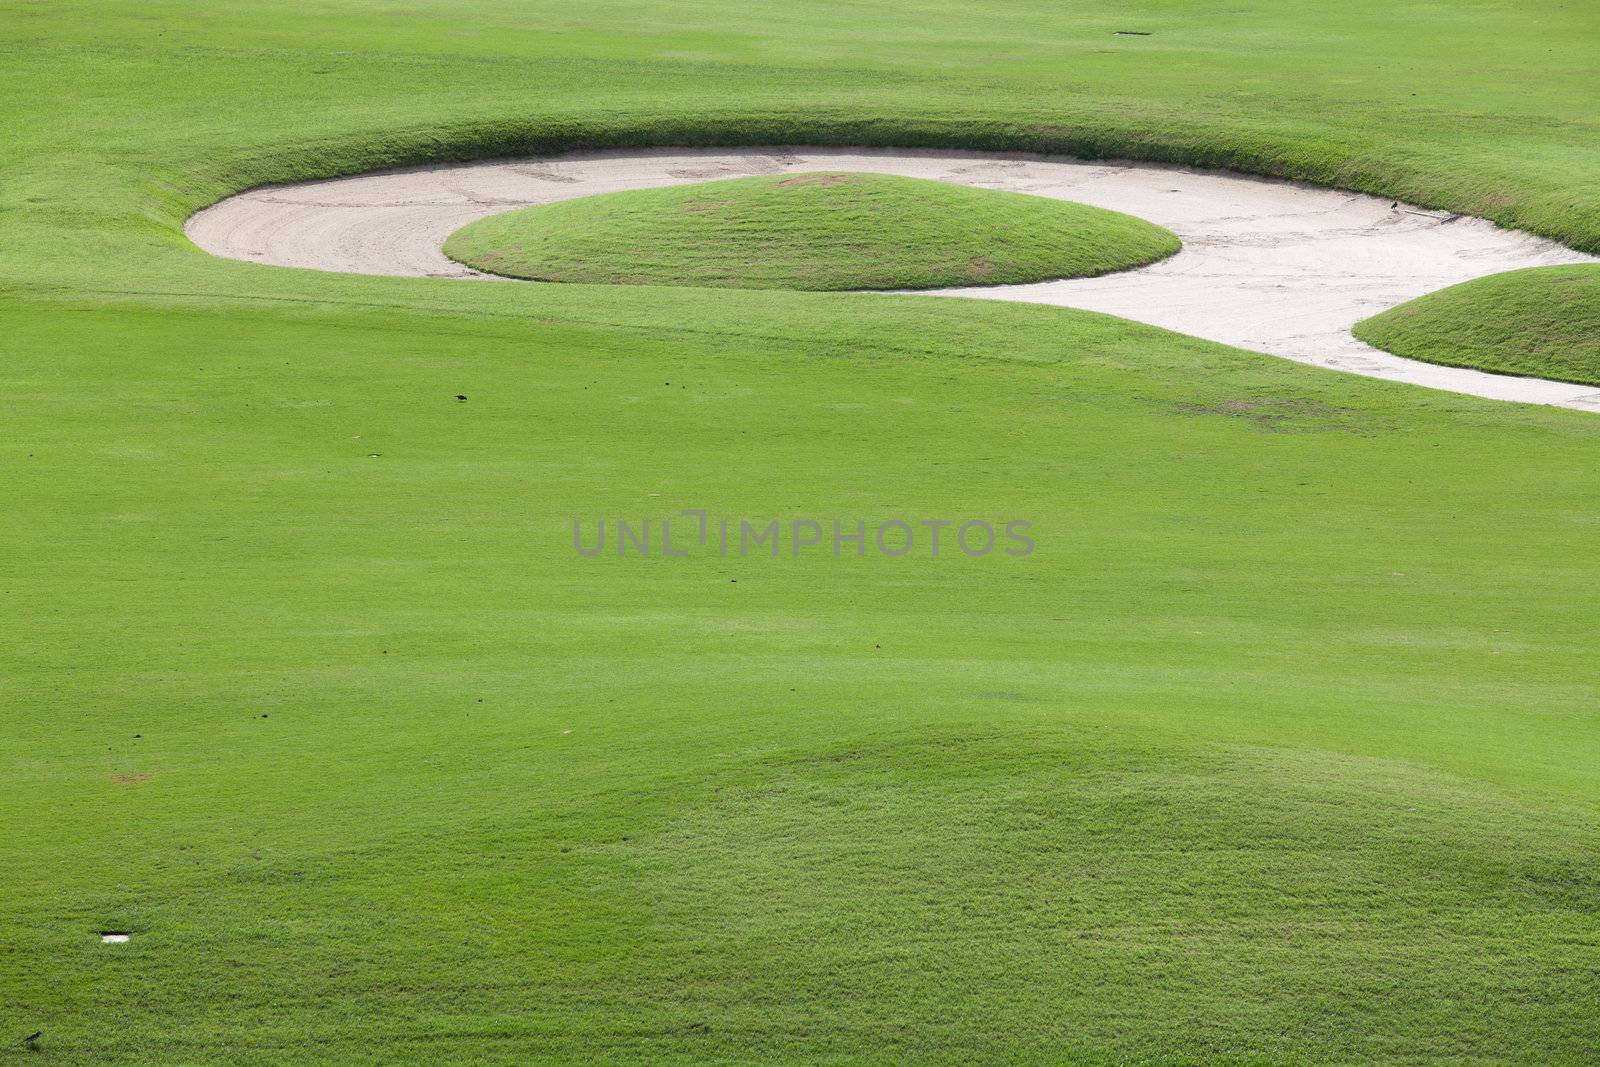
1271, 266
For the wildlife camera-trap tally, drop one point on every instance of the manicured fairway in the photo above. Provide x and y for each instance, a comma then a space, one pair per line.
822, 231
1285, 716
1283, 746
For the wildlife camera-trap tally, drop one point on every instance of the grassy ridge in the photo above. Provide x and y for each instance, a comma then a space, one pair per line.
817, 232
1543, 322
1335, 95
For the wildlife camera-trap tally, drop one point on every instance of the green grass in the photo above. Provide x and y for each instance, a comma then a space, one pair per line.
1282, 746
820, 231
1543, 322
1219, 770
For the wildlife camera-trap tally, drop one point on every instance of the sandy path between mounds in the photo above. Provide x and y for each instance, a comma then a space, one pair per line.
1267, 265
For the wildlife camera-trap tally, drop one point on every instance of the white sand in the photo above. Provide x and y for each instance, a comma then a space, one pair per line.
1271, 266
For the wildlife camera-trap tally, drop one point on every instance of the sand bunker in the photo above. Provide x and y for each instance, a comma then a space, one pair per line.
1270, 266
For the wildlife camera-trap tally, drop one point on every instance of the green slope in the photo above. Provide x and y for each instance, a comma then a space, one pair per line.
1543, 322
311, 693
821, 231
1281, 747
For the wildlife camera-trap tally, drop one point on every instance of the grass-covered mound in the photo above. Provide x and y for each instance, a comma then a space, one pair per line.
822, 231
1544, 323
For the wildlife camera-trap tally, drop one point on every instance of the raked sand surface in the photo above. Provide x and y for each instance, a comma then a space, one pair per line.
1271, 266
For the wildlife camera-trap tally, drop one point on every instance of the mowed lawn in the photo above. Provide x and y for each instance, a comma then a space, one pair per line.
1282, 746
823, 232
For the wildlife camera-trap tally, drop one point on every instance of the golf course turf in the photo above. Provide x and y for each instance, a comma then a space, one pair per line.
821, 231
1280, 747
1542, 323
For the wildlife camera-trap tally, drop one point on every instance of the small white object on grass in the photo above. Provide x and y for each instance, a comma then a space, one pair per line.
113, 937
